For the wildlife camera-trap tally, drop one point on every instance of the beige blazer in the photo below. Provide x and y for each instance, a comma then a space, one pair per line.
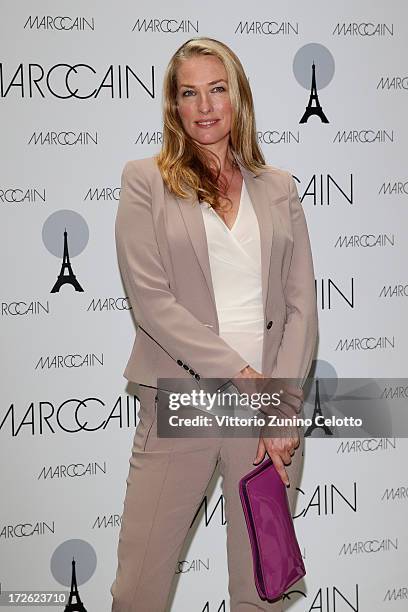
163, 257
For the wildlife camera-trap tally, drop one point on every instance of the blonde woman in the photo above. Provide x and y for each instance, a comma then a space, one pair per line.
215, 257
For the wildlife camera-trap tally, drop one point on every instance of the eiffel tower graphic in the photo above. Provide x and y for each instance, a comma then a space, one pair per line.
63, 278
317, 412
315, 109
78, 606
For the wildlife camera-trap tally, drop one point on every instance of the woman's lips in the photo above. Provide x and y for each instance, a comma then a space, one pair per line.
206, 123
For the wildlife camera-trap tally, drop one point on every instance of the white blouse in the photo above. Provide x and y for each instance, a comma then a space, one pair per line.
235, 262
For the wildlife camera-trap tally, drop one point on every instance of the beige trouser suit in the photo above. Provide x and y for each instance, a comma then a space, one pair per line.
166, 484
164, 261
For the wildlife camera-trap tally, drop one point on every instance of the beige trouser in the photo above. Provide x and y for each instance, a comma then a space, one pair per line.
166, 484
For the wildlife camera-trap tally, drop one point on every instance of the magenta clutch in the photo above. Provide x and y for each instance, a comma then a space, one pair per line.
276, 555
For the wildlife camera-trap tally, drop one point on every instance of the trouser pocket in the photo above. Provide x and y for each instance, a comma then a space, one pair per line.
152, 424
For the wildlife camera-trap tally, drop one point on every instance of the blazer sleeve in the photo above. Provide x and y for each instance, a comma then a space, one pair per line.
296, 351
155, 307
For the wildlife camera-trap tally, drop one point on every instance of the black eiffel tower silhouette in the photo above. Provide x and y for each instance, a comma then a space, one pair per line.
63, 278
317, 412
315, 109
78, 606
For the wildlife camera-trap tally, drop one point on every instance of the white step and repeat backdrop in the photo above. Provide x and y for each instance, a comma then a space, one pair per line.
80, 95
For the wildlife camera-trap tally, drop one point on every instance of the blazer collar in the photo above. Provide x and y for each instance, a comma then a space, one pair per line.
192, 215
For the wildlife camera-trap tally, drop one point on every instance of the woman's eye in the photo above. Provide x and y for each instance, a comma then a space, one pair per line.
187, 93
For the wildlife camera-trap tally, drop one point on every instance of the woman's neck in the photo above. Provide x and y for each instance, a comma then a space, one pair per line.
225, 157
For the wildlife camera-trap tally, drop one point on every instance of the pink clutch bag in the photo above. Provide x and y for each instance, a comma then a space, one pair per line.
276, 555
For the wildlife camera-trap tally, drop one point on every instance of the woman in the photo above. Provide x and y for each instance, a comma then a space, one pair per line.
215, 256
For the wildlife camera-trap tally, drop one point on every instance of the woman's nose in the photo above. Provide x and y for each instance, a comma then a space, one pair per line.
204, 103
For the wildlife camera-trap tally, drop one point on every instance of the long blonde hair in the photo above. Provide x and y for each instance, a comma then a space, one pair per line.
182, 163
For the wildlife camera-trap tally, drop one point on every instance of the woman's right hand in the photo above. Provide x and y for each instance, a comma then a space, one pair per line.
249, 372
279, 449
291, 397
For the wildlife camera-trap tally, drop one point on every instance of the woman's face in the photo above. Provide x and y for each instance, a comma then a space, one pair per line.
203, 96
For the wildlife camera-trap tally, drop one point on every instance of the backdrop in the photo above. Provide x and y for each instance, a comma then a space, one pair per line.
80, 95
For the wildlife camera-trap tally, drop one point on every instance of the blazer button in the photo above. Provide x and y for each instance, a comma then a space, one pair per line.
191, 371
180, 363
197, 376
185, 366
269, 325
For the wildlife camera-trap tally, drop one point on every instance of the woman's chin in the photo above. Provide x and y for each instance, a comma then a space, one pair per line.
208, 138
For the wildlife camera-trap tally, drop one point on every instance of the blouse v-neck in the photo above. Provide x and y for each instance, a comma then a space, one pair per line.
235, 264
243, 239
231, 230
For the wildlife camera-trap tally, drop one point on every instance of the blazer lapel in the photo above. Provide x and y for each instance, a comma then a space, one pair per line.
257, 190
193, 220
192, 215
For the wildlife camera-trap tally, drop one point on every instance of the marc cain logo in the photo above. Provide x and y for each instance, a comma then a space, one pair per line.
81, 81
59, 23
